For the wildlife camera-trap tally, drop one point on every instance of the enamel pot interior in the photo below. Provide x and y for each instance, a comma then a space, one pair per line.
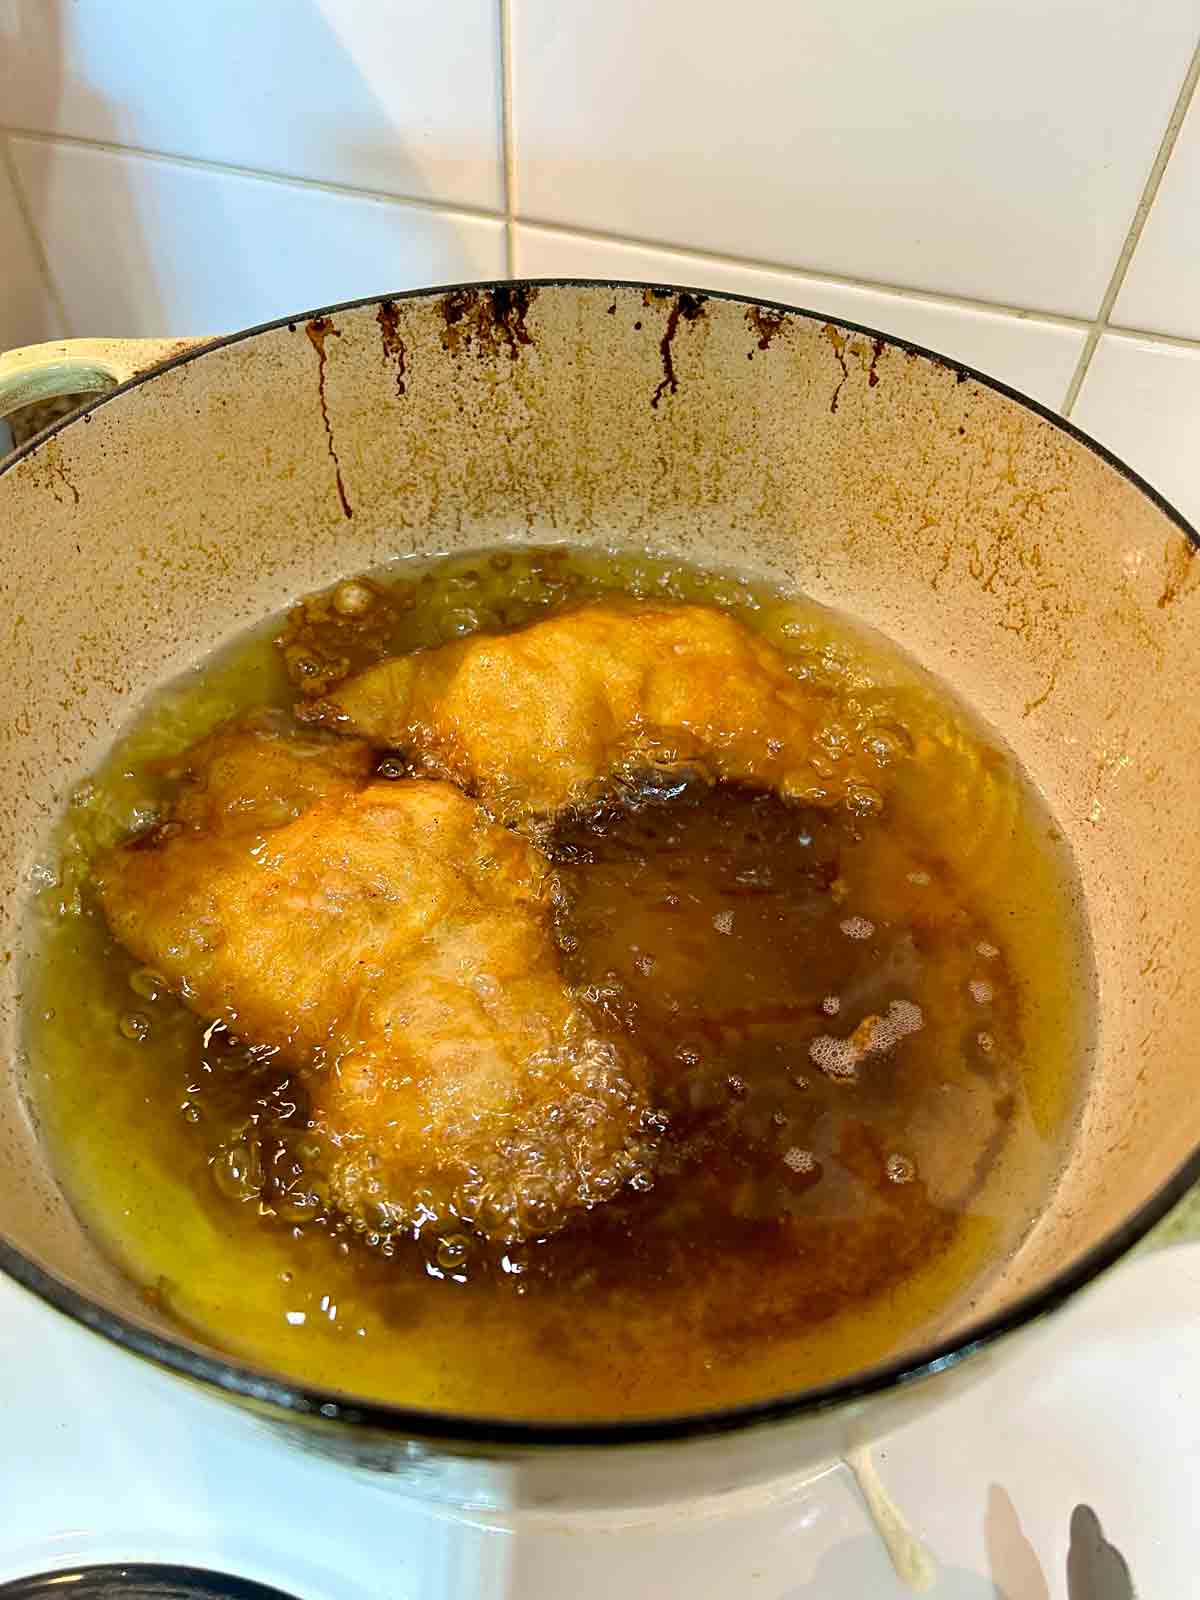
1009, 555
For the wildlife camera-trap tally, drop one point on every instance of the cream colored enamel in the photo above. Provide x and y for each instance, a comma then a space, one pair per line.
1049, 590
79, 366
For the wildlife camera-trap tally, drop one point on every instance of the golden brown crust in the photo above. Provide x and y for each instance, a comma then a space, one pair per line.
535, 720
392, 938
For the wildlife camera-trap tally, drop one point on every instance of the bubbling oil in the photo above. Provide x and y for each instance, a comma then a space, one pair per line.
867, 1032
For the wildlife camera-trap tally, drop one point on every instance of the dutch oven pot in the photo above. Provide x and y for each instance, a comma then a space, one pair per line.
1012, 556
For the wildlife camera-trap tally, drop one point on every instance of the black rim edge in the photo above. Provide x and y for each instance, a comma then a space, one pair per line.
247, 1382
144, 1578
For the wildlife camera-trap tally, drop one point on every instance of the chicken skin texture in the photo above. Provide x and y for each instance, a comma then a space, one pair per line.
395, 944
542, 718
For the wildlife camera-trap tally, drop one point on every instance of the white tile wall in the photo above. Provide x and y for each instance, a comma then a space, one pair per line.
142, 246
982, 178
1142, 399
1162, 289
994, 149
26, 312
400, 97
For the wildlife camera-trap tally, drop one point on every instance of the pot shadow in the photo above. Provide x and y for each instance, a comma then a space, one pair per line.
1015, 1568
1015, 1573
860, 1567
1096, 1570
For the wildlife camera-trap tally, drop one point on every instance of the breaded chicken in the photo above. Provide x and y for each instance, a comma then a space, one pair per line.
392, 939
535, 720
247, 778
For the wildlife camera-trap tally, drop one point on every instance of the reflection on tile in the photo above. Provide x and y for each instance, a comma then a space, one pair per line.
995, 150
1161, 293
1036, 357
1142, 400
145, 247
26, 315
402, 97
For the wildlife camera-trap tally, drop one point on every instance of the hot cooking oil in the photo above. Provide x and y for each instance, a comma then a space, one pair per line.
867, 1034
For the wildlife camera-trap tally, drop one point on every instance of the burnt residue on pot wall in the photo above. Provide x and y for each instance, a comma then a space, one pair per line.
318, 330
839, 341
388, 318
843, 344
689, 307
766, 322
1181, 570
488, 320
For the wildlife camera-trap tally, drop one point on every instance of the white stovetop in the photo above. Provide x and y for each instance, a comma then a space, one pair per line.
1102, 1408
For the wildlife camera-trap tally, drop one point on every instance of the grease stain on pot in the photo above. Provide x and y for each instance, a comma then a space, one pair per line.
872, 370
318, 330
844, 345
766, 323
1181, 572
488, 319
388, 318
1040, 700
50, 472
839, 341
689, 307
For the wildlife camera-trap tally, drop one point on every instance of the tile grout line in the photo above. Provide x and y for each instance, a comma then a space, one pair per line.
1140, 215
57, 304
844, 280
1177, 341
448, 208
509, 138
487, 213
453, 208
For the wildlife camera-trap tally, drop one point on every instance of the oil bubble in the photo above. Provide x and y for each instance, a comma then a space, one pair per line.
452, 1251
237, 1171
351, 599
147, 984
802, 1161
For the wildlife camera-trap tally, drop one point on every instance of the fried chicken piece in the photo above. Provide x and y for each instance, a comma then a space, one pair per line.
391, 939
535, 720
250, 777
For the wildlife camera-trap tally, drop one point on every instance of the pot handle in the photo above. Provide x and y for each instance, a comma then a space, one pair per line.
79, 366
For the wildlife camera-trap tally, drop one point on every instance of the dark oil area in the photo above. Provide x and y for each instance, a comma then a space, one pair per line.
869, 1034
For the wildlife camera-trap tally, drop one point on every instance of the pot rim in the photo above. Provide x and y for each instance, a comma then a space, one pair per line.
247, 1382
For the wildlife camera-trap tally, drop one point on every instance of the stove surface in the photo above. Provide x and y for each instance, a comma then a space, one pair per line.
1078, 1455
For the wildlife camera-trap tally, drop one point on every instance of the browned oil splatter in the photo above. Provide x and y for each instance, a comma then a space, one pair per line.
488, 319
876, 352
1040, 700
1180, 569
689, 307
839, 342
388, 318
56, 475
766, 323
318, 330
